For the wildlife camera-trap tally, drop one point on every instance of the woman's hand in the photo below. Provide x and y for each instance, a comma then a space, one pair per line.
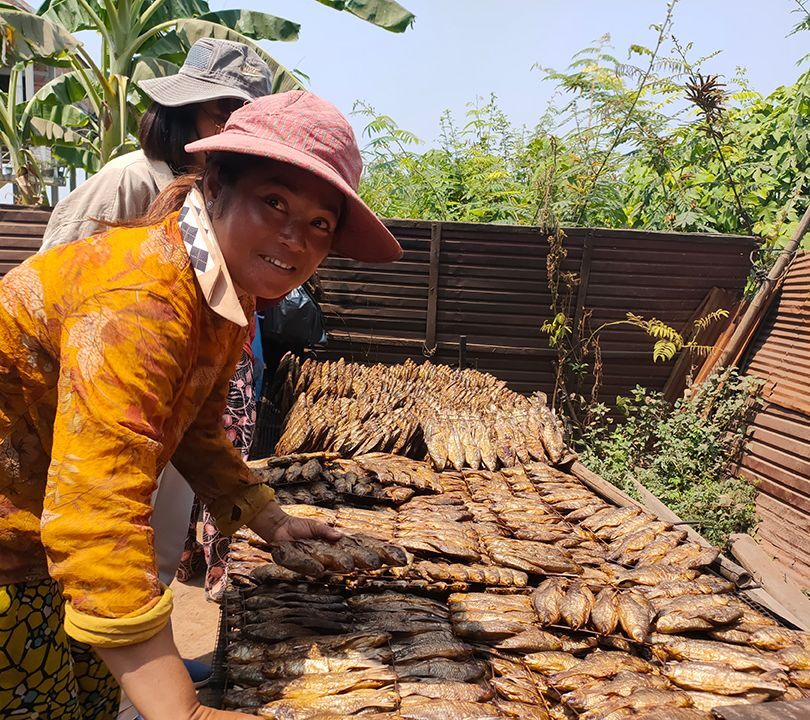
274, 525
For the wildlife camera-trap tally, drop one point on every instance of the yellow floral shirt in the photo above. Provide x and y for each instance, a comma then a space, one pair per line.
112, 361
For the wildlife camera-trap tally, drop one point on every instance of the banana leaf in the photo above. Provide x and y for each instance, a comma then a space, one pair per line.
70, 15
386, 14
59, 101
172, 9
46, 132
147, 68
76, 157
255, 25
25, 36
167, 47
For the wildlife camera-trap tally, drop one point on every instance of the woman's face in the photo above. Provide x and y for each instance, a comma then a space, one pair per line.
275, 225
210, 118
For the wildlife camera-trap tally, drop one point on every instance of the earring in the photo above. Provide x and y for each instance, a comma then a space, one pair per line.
209, 205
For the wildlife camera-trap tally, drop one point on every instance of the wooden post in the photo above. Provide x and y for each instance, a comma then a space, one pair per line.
584, 279
602, 487
429, 347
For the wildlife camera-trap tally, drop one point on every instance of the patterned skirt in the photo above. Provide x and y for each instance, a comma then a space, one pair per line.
43, 672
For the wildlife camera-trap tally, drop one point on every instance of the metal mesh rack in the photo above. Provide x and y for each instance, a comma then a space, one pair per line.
219, 663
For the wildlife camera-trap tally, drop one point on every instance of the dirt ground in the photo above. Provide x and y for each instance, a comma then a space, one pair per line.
194, 624
194, 621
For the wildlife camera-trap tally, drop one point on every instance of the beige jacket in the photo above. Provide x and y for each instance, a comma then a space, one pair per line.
123, 189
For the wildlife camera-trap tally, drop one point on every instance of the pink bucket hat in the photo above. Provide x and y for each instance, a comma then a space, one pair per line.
302, 129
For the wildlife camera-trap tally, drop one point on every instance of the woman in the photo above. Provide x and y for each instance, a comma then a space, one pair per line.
217, 77
116, 354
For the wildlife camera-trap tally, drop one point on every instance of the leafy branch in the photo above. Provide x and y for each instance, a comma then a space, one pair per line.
663, 32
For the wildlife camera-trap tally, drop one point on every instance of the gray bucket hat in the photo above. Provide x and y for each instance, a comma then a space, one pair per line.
213, 69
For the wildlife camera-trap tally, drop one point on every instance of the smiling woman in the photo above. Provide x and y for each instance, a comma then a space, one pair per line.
127, 341
275, 222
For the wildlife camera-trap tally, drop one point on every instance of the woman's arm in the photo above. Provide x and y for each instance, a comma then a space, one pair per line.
154, 678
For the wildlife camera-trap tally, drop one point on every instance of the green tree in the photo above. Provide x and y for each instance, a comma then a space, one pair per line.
100, 102
610, 152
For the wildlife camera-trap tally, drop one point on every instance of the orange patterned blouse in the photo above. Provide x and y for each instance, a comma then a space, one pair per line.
112, 361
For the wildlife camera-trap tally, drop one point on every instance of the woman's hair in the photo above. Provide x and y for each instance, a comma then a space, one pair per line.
164, 133
227, 166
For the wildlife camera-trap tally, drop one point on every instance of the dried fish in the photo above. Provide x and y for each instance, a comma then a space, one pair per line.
654, 574
523, 711
531, 557
715, 678
446, 690
635, 615
576, 605
550, 662
642, 700
317, 685
673, 714
314, 557
295, 667
547, 599
624, 684
531, 640
416, 708
777, 638
442, 669
674, 648
605, 612
795, 657
434, 644
703, 585
342, 704
478, 574
707, 701
800, 678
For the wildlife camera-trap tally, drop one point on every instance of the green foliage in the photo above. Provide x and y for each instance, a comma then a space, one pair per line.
667, 341
476, 175
557, 329
622, 144
685, 455
385, 13
90, 116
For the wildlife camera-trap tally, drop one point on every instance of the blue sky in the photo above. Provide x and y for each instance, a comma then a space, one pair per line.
460, 49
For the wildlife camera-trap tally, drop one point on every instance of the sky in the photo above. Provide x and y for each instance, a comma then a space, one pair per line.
461, 50
458, 50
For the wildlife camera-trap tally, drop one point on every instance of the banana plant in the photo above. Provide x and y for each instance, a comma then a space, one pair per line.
99, 102
145, 38
23, 38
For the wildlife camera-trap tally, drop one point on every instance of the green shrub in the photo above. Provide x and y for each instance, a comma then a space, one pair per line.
684, 454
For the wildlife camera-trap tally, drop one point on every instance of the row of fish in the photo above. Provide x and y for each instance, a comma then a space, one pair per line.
401, 658
388, 479
304, 653
456, 419
583, 609
511, 520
